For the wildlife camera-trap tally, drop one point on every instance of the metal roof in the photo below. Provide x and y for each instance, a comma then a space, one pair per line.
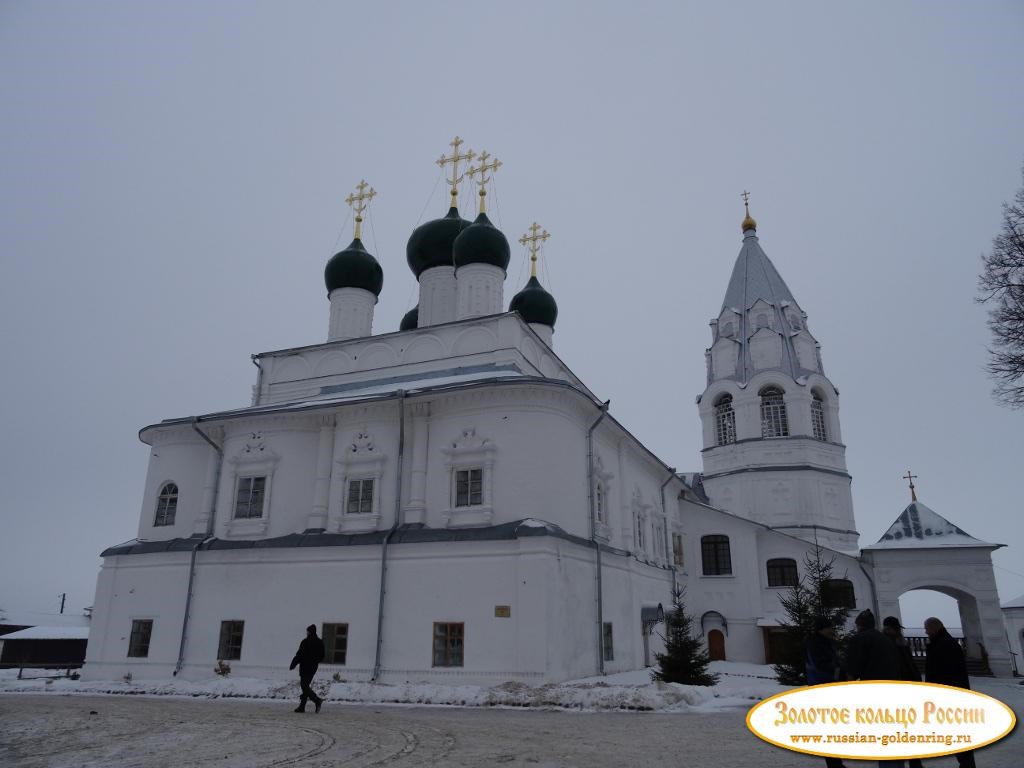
919, 526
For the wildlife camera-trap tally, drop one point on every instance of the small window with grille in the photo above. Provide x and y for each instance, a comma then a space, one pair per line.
360, 497
249, 497
725, 421
715, 554
138, 641
335, 643
448, 644
166, 505
782, 572
230, 646
774, 422
818, 417
838, 593
469, 485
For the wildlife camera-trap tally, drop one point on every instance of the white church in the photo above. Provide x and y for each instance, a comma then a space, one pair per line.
448, 502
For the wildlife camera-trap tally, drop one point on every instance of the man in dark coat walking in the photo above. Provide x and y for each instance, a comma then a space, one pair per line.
871, 655
945, 664
307, 659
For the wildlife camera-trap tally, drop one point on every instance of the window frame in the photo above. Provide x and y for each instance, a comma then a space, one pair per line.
469, 498
330, 633
227, 648
722, 565
774, 416
777, 569
725, 420
166, 505
830, 588
252, 479
819, 425
364, 504
452, 650
139, 638
469, 451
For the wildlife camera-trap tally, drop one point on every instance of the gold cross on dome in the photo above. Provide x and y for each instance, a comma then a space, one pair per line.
358, 201
482, 170
454, 161
746, 197
911, 478
532, 241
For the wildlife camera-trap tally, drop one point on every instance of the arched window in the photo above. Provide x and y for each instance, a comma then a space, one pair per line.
782, 572
717, 560
166, 505
838, 593
773, 413
818, 417
725, 421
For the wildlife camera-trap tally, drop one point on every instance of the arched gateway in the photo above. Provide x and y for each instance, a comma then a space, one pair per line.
923, 550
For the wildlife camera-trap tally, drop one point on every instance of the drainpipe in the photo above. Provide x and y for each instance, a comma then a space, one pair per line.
668, 535
195, 549
593, 535
390, 533
257, 395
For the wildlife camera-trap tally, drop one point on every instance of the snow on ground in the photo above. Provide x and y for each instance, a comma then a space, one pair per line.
739, 686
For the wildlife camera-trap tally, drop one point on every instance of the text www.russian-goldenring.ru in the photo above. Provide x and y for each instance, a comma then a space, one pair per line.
949, 739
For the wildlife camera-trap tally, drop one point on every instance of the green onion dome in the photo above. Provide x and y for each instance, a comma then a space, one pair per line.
534, 304
411, 320
481, 243
430, 244
354, 267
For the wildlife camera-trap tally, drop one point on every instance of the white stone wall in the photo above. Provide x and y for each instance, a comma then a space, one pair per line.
478, 290
351, 313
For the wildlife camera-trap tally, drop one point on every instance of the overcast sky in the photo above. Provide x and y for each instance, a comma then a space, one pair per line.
172, 178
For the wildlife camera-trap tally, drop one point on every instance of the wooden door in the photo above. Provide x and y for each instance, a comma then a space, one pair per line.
716, 645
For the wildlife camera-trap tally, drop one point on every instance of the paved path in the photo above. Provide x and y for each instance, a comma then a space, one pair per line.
59, 731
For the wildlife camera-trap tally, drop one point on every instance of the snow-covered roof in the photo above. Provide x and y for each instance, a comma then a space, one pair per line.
1017, 602
918, 526
37, 618
48, 633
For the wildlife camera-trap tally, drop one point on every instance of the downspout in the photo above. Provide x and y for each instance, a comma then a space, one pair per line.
669, 555
195, 549
593, 535
390, 533
257, 395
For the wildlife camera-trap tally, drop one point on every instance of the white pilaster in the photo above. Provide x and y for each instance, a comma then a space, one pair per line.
416, 507
202, 519
322, 484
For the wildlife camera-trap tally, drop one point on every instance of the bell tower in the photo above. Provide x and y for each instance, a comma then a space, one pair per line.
773, 449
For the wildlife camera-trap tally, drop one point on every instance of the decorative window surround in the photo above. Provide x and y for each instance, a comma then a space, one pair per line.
602, 501
362, 459
469, 451
254, 460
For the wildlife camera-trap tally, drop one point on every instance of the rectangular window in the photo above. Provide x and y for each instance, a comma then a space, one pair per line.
138, 643
640, 522
249, 499
838, 593
609, 648
469, 484
335, 643
677, 550
230, 647
360, 497
782, 572
717, 560
448, 644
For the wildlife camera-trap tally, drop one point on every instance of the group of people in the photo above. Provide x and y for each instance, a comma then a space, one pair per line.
885, 655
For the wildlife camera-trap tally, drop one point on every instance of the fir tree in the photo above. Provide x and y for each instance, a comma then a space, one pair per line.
685, 659
805, 603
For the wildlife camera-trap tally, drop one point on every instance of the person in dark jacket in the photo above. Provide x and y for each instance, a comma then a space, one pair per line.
307, 659
945, 664
892, 629
871, 655
821, 658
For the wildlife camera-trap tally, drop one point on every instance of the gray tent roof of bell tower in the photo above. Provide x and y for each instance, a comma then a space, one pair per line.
755, 277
